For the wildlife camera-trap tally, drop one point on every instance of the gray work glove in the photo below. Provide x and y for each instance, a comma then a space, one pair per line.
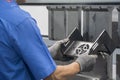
55, 49
86, 62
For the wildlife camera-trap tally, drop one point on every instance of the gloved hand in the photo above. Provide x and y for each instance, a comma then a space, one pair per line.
55, 49
86, 62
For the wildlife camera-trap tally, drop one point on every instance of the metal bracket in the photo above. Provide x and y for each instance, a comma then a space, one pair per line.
76, 47
103, 40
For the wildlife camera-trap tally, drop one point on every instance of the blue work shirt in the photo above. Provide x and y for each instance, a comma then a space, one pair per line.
23, 54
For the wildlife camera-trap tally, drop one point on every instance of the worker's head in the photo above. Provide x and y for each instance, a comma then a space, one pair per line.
20, 1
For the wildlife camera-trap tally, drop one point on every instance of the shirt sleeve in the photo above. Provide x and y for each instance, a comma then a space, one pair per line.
30, 46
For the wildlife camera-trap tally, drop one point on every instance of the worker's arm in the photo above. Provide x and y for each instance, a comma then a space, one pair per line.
62, 72
83, 63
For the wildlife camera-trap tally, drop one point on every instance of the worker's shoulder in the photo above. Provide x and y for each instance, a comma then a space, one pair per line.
14, 16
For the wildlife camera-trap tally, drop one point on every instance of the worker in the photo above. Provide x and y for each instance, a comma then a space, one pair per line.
24, 55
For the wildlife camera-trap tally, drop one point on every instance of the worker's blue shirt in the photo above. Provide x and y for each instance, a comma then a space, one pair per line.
23, 54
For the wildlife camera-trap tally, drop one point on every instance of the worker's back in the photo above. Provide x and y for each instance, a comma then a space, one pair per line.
23, 53
11, 65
